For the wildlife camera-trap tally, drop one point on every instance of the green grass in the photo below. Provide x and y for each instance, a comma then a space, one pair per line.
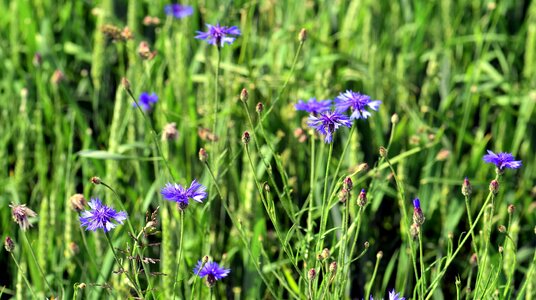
461, 75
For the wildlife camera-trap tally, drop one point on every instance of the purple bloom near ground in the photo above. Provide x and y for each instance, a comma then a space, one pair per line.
177, 193
178, 11
393, 295
101, 216
502, 160
211, 270
314, 106
327, 123
146, 101
218, 35
358, 103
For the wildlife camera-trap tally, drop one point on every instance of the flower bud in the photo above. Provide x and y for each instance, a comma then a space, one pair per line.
474, 259
302, 36
379, 255
347, 183
125, 83
383, 152
246, 138
511, 209
9, 244
203, 155
466, 187
344, 195
259, 108
418, 216
78, 202
325, 253
501, 249
333, 267
205, 259
501, 228
170, 132
95, 180
394, 118
362, 198
366, 244
494, 186
244, 96
311, 274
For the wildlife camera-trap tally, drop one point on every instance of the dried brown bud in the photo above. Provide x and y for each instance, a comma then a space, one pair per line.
95, 180
511, 209
311, 274
467, 189
78, 202
244, 95
9, 244
501, 228
112, 32
325, 253
246, 138
302, 36
203, 155
474, 259
383, 152
333, 267
344, 195
20, 214
494, 186
170, 132
259, 108
414, 230
125, 83
145, 52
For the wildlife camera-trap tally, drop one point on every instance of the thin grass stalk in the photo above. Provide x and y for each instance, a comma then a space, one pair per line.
371, 282
216, 105
468, 209
325, 202
21, 272
37, 263
421, 262
311, 196
179, 257
513, 251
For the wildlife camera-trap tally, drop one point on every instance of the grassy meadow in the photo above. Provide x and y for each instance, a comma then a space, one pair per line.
456, 78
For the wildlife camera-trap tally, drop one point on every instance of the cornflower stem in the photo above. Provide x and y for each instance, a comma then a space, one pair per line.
179, 257
505, 293
153, 132
469, 218
311, 296
134, 283
91, 258
342, 250
238, 226
147, 274
23, 276
195, 281
36, 262
421, 262
352, 130
311, 196
450, 259
358, 220
216, 103
325, 202
528, 277
369, 286
121, 205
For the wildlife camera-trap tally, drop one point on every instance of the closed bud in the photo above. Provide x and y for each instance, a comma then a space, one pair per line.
501, 249
95, 180
125, 83
362, 198
383, 152
78, 202
319, 257
511, 209
170, 132
501, 228
9, 244
266, 187
333, 267
347, 183
82, 285
311, 274
418, 216
494, 186
394, 118
302, 36
246, 138
205, 259
344, 195
244, 95
73, 248
466, 187
203, 155
474, 259
325, 253
259, 108
366, 244
379, 255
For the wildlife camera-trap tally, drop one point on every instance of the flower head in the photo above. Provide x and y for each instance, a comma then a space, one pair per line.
314, 106
326, 123
358, 103
218, 35
146, 101
418, 216
211, 270
178, 11
502, 160
176, 192
393, 295
101, 216
20, 215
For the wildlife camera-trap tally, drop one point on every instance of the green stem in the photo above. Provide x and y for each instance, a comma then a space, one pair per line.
181, 231
136, 287
216, 104
421, 261
311, 196
339, 164
37, 263
325, 201
23, 276
468, 208
369, 286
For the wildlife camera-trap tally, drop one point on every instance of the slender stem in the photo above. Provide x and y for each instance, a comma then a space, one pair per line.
342, 250
325, 201
195, 280
369, 286
339, 164
36, 262
311, 195
121, 205
179, 258
23, 276
310, 289
421, 261
136, 287
359, 214
216, 102
469, 218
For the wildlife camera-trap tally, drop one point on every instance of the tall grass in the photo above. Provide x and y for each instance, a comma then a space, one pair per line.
459, 75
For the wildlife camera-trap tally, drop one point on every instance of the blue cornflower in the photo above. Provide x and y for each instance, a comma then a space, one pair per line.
418, 216
314, 106
326, 123
178, 11
212, 271
146, 101
357, 102
502, 160
101, 216
176, 192
393, 295
218, 35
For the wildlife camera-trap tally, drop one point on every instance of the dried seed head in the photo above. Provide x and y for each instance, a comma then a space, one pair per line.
383, 152
511, 209
244, 95
311, 274
95, 180
78, 202
325, 253
20, 215
501, 228
170, 132
466, 187
333, 267
394, 118
203, 155
246, 138
494, 186
259, 108
9, 244
125, 83
302, 36
112, 32
362, 198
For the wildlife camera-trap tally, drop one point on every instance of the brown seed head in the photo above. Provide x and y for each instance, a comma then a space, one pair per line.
78, 202
170, 133
20, 215
302, 36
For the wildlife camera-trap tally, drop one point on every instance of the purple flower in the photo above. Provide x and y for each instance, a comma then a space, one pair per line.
176, 192
211, 270
146, 101
393, 295
101, 216
502, 160
314, 106
357, 102
218, 35
326, 123
178, 11
418, 216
